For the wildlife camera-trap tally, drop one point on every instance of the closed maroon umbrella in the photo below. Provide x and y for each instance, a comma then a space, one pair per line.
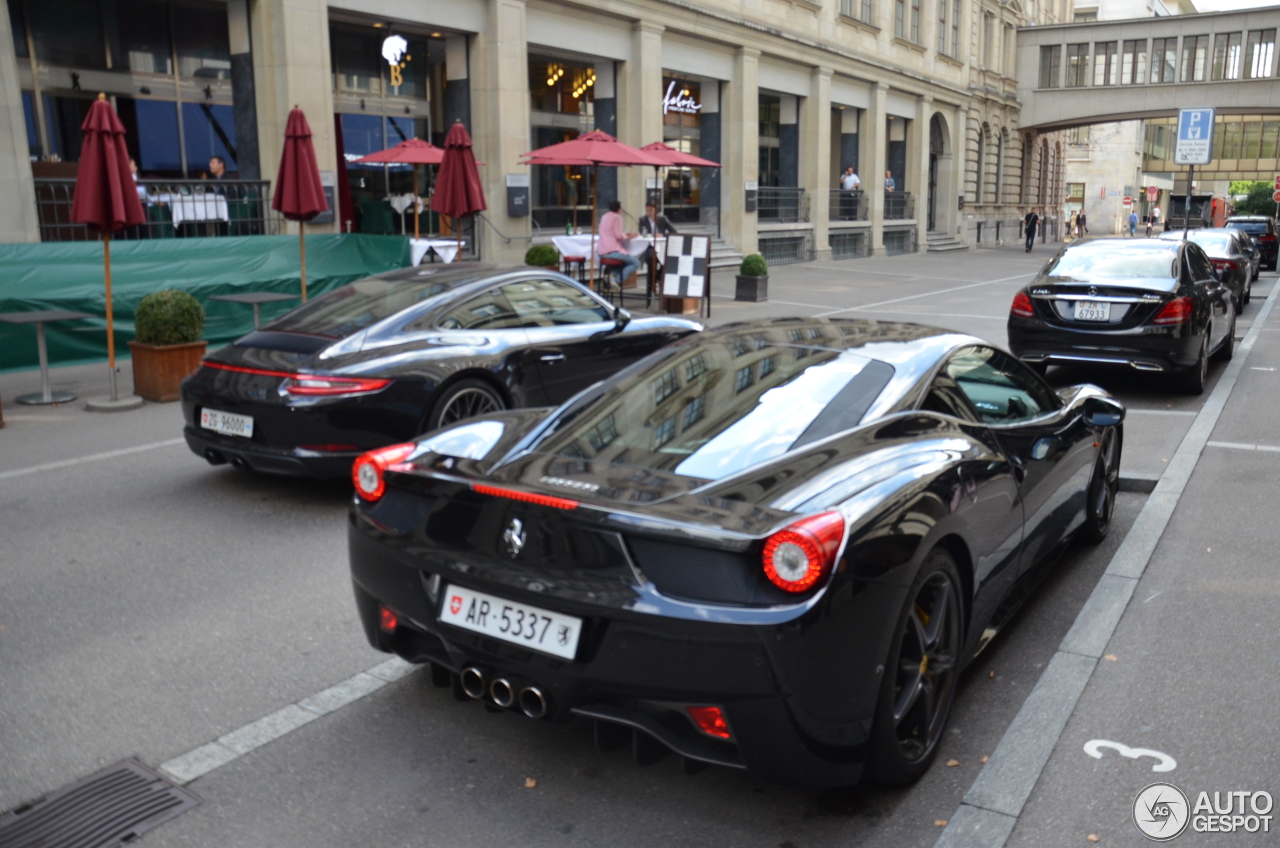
458, 191
299, 195
106, 196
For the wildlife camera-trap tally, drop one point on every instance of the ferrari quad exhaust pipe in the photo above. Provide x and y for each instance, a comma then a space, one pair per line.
473, 682
502, 692
533, 702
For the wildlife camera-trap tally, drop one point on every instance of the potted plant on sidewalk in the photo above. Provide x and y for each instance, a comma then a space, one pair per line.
753, 279
166, 346
543, 256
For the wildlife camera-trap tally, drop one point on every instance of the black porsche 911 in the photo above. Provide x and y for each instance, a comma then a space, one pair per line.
1147, 304
772, 546
390, 357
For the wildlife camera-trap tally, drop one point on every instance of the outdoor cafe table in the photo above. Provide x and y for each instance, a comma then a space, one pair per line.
446, 249
41, 318
256, 299
581, 246
194, 208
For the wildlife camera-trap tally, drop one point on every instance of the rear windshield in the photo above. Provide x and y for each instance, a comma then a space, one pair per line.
1208, 239
351, 308
1103, 260
1253, 228
715, 409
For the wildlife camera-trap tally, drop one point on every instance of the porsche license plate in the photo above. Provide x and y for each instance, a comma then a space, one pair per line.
1090, 311
509, 621
227, 423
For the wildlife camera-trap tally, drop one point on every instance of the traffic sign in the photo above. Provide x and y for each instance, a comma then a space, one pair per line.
1195, 137
1276, 196
1128, 201
1277, 182
1152, 191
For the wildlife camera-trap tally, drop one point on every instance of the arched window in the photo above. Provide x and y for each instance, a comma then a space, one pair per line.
999, 187
981, 165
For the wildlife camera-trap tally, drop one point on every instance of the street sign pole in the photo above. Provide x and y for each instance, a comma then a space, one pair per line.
1186, 207
1194, 147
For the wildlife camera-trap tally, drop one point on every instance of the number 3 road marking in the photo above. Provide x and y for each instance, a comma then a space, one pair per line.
1094, 749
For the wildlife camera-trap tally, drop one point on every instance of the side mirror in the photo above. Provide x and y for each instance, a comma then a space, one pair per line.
1103, 412
621, 319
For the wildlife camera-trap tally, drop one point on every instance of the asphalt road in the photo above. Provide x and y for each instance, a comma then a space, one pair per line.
150, 603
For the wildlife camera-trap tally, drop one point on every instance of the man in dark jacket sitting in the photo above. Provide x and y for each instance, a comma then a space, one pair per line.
653, 223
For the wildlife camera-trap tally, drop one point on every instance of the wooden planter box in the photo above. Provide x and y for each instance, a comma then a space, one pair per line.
159, 370
753, 289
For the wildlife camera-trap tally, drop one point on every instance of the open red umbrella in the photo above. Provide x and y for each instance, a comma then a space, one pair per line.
413, 152
675, 158
106, 196
458, 191
299, 195
597, 149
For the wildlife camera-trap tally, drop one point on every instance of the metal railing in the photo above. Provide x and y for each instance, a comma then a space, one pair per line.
899, 206
782, 205
174, 209
848, 205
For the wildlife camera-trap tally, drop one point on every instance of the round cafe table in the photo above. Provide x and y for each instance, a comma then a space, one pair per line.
40, 318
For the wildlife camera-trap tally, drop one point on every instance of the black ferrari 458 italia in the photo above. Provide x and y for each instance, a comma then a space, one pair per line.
390, 357
772, 545
1152, 305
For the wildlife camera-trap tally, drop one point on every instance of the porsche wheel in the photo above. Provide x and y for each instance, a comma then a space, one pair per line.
464, 399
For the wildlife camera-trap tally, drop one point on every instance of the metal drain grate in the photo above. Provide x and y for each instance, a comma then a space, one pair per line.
112, 807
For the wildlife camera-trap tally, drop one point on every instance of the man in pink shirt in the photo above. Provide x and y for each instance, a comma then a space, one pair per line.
609, 244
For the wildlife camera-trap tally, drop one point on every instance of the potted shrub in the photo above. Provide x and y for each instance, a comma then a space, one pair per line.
543, 256
753, 279
166, 346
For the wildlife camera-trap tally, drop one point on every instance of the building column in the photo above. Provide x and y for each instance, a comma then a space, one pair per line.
875, 154
709, 146
291, 68
918, 166
740, 106
815, 163
500, 82
640, 115
18, 220
789, 141
606, 112
244, 106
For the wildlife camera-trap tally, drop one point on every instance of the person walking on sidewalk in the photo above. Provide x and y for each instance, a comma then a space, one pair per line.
1082, 224
1133, 224
1029, 228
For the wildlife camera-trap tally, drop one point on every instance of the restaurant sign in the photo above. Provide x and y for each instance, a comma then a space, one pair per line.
678, 100
394, 49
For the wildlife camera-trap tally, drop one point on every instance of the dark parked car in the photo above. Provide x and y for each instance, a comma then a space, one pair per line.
1232, 256
770, 546
1262, 229
390, 357
1150, 304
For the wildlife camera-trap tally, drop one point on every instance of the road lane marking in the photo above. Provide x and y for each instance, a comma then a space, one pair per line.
1242, 446
93, 457
1132, 411
1259, 368
231, 746
868, 306
1164, 762
992, 805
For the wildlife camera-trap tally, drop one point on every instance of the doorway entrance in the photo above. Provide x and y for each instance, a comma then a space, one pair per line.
937, 136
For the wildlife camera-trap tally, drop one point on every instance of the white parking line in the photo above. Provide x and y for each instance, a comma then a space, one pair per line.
1240, 446
93, 457
1132, 411
868, 306
231, 746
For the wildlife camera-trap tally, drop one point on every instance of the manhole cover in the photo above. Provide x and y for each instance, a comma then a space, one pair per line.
112, 807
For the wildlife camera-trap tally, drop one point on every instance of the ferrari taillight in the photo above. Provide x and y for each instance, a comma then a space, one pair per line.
1175, 311
1022, 306
801, 554
368, 469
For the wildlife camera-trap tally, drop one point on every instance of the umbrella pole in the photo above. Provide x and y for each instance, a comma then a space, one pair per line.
595, 184
111, 335
302, 252
415, 202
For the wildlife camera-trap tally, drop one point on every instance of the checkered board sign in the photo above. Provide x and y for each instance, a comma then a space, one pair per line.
687, 258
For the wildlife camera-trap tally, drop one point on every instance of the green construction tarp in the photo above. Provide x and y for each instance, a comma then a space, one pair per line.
69, 275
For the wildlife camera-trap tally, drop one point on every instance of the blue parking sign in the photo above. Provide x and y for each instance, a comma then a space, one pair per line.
1195, 137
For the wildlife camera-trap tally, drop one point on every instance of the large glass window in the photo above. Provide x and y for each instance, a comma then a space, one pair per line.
68, 33
1261, 53
856, 9
1133, 63
1077, 65
900, 18
209, 131
1105, 65
942, 26
1195, 57
159, 147
562, 104
1050, 66
200, 33
1163, 58
1226, 56
681, 129
139, 36
955, 28
770, 123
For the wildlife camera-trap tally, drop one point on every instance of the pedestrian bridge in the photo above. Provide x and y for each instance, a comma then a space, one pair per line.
1071, 75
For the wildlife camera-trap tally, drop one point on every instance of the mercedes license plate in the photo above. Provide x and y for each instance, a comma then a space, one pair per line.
509, 621
1089, 311
227, 423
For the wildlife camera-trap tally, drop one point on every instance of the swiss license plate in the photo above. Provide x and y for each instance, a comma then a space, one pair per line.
226, 423
1090, 311
509, 621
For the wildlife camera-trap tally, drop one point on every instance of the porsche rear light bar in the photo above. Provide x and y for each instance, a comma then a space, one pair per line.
801, 554
368, 469
309, 385
1176, 311
526, 497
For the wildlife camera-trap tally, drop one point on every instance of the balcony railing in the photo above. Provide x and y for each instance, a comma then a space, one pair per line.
848, 205
899, 206
782, 205
174, 209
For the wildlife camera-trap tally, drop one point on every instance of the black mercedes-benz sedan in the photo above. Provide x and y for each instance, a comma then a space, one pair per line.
390, 357
1232, 255
1147, 304
772, 546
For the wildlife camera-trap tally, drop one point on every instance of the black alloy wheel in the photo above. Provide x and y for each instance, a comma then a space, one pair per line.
920, 677
1103, 486
464, 399
1227, 349
1192, 380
